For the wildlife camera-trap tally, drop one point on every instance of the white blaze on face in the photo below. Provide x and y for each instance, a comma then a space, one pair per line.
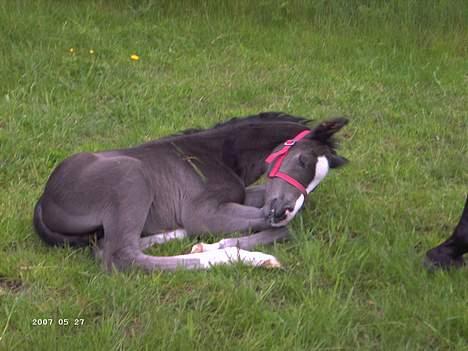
321, 170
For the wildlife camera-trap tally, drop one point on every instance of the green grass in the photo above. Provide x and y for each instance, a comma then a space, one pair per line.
353, 278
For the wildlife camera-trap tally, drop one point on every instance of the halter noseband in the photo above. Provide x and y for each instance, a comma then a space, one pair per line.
278, 158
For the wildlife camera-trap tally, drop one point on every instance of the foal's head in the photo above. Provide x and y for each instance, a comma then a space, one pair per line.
297, 167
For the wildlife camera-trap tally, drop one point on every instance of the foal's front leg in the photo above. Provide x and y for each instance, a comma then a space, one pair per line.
255, 196
223, 218
247, 242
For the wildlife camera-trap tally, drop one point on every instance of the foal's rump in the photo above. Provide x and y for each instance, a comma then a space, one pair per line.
54, 238
77, 195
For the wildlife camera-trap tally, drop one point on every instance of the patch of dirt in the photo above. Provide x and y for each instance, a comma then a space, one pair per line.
134, 328
10, 285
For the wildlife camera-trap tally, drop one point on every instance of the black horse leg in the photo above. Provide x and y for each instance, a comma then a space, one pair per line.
450, 252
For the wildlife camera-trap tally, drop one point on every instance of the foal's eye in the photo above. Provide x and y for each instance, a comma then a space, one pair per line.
302, 162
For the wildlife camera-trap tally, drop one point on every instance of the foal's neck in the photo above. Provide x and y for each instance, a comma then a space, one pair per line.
242, 148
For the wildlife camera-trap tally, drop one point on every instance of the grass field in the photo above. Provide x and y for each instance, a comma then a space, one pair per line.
352, 277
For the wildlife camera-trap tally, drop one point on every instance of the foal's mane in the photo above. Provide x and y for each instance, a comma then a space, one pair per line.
259, 119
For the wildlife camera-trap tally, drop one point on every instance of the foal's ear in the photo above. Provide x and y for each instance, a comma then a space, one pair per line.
336, 161
327, 128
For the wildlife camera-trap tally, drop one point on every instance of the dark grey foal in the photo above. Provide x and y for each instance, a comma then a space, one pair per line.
181, 185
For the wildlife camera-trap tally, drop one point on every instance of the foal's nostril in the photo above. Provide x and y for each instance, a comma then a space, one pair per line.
271, 214
280, 216
282, 213
278, 211
272, 207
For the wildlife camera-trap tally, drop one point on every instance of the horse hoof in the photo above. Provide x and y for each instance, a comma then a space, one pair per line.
442, 263
271, 263
197, 248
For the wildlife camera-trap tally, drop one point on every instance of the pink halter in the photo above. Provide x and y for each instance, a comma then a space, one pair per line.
278, 158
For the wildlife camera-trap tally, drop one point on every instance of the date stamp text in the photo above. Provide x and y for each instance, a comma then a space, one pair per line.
45, 322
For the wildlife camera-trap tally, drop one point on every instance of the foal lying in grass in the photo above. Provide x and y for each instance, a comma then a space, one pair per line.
189, 184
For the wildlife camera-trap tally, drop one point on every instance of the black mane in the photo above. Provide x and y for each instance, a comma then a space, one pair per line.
263, 117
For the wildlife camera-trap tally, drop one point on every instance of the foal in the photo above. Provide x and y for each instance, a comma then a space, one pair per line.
181, 185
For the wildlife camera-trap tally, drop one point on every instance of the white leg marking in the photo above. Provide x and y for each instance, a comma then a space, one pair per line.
204, 247
321, 170
162, 238
176, 234
232, 255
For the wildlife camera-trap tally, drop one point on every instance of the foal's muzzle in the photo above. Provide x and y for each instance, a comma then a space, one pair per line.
278, 211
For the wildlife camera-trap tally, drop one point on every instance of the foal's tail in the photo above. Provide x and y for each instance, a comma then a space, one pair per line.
54, 238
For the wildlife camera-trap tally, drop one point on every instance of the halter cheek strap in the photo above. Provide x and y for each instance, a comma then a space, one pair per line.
278, 157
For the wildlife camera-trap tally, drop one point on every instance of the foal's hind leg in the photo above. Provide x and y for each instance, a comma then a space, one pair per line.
121, 243
206, 260
145, 242
248, 242
123, 223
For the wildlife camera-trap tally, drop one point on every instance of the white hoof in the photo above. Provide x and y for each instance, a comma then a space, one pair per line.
197, 248
203, 247
233, 255
271, 263
260, 259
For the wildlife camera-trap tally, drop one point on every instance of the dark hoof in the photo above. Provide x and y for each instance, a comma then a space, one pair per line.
434, 262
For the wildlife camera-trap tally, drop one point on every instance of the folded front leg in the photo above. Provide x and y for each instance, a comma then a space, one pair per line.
223, 218
248, 242
255, 196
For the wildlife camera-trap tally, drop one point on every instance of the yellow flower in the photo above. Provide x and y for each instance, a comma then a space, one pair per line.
72, 50
134, 57
91, 51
